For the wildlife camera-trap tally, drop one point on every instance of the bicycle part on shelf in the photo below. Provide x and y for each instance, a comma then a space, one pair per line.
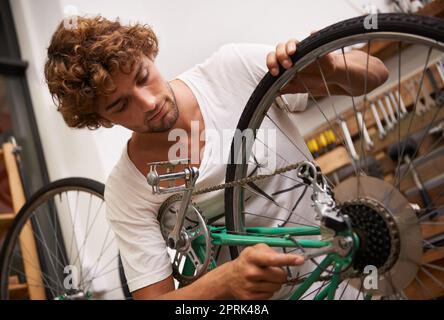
381, 130
388, 123
390, 109
402, 111
438, 129
440, 69
193, 228
439, 94
421, 108
428, 100
378, 217
404, 151
348, 140
362, 128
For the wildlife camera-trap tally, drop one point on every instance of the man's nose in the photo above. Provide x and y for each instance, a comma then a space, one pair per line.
145, 101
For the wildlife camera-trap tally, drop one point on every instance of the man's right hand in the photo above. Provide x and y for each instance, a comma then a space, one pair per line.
258, 272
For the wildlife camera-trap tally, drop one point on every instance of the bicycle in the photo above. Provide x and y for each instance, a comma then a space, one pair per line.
359, 221
77, 258
354, 210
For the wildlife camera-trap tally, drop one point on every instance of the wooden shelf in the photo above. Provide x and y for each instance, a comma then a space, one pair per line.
17, 291
385, 50
34, 288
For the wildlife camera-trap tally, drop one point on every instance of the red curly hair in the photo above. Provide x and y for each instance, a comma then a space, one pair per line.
82, 60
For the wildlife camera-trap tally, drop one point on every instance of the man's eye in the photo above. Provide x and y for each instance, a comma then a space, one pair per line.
143, 81
122, 107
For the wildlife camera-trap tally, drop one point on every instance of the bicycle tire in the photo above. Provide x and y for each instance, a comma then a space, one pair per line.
427, 27
39, 197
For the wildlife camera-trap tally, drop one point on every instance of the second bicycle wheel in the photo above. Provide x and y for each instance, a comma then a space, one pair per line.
385, 169
60, 246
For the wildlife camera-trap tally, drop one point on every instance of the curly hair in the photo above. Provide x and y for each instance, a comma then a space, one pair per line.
82, 60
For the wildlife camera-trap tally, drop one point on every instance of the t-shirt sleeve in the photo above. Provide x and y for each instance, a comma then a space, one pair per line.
252, 58
142, 248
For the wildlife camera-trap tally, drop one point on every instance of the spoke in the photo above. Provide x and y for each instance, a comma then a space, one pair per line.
410, 168
286, 161
296, 186
54, 227
364, 103
278, 205
87, 282
399, 103
356, 117
397, 182
433, 266
88, 231
291, 141
73, 224
416, 99
47, 249
103, 250
295, 206
338, 134
50, 287
87, 224
44, 243
317, 290
424, 288
431, 276
360, 289
345, 288
45, 277
438, 197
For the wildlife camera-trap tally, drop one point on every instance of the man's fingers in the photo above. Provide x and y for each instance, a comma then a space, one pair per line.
282, 56
270, 258
291, 46
265, 286
272, 63
277, 275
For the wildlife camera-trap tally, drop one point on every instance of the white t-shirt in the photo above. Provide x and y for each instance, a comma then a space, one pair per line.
222, 85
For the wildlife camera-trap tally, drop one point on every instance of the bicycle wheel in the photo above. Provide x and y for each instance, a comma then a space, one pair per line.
391, 127
61, 247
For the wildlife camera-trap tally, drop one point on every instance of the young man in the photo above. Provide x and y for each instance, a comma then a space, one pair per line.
103, 74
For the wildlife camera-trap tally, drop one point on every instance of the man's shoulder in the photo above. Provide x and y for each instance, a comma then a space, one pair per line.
119, 175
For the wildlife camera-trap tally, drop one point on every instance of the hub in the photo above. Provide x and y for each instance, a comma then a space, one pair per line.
389, 232
379, 237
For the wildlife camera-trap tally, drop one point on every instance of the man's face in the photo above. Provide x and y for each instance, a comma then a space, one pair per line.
143, 101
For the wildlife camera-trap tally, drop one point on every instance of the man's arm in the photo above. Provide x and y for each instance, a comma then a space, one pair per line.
255, 275
344, 74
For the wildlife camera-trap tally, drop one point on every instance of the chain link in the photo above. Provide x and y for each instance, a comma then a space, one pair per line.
244, 181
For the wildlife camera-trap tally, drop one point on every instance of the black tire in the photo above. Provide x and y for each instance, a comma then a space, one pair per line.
87, 185
429, 27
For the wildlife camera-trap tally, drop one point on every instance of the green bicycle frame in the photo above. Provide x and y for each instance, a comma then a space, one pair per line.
283, 237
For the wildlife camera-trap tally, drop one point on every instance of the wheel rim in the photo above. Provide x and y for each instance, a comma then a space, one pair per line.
77, 257
239, 194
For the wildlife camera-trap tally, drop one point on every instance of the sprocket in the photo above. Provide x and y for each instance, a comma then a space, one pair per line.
195, 227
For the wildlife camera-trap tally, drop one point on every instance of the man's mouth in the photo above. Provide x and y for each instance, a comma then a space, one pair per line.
159, 114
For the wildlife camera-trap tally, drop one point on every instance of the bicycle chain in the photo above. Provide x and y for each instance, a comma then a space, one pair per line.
244, 181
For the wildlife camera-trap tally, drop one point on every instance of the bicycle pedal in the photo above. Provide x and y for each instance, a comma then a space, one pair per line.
189, 175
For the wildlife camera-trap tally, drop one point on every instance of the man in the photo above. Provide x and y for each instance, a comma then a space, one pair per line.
103, 74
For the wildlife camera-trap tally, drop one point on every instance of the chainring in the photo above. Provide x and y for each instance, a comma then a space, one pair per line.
194, 227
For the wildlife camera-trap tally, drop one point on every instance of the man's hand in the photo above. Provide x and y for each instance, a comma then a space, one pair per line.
344, 74
257, 273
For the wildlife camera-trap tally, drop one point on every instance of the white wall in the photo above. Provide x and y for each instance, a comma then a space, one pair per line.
189, 31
